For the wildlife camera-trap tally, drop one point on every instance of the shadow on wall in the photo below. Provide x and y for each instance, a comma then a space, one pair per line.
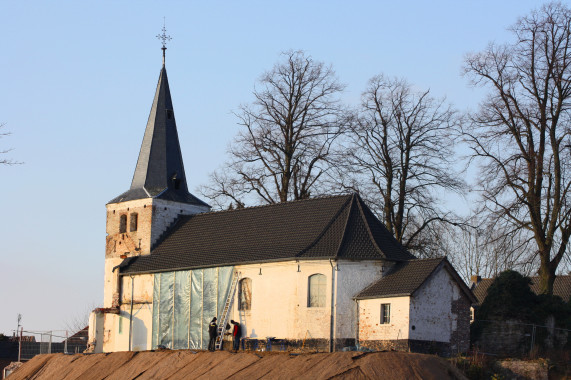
139, 335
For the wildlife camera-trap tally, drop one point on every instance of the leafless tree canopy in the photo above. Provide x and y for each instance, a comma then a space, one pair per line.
487, 252
287, 136
520, 136
5, 161
401, 158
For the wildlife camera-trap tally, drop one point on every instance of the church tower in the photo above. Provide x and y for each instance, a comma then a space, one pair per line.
158, 194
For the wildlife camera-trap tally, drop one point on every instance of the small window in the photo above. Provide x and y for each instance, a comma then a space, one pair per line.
385, 313
175, 181
316, 291
245, 294
133, 222
123, 224
169, 114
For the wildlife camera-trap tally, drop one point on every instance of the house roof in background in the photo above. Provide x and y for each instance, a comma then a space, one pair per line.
337, 227
561, 287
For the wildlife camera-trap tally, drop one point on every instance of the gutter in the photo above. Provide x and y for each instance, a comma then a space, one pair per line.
237, 263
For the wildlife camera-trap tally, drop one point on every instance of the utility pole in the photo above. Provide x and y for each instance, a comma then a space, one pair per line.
20, 339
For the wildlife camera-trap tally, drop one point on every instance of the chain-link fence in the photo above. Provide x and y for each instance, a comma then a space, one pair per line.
28, 344
517, 339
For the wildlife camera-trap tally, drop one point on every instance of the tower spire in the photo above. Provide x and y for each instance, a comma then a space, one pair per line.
164, 38
160, 172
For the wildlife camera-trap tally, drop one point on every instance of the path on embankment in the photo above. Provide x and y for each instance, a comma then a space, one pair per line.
186, 364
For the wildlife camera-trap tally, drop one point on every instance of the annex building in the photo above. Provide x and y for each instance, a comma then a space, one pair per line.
321, 273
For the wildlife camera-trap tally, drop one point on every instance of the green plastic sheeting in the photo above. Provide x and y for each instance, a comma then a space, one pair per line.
184, 303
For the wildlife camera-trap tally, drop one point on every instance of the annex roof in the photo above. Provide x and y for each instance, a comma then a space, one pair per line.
160, 171
561, 287
337, 227
405, 278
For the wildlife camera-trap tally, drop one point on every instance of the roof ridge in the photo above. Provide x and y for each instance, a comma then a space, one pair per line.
327, 227
368, 228
273, 204
345, 227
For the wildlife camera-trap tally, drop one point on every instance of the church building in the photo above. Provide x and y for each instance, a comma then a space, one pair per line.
317, 274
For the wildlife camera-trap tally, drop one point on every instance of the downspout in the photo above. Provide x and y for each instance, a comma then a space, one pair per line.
332, 319
131, 314
357, 322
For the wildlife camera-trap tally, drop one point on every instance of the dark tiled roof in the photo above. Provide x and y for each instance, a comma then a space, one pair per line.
160, 170
338, 227
403, 279
561, 287
407, 277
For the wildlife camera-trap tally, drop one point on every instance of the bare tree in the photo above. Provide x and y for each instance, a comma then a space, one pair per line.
401, 158
287, 138
5, 161
78, 321
487, 253
521, 134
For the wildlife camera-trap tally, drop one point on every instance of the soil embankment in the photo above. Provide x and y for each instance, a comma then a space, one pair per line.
186, 364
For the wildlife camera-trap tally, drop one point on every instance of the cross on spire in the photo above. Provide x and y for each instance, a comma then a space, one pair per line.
164, 38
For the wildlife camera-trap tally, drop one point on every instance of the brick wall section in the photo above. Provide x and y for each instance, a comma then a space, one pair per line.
135, 242
154, 217
410, 345
298, 345
460, 338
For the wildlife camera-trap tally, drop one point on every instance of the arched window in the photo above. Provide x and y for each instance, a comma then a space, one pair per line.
123, 224
316, 290
245, 294
133, 221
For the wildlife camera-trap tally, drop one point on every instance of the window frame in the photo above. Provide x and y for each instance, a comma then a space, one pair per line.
244, 305
134, 217
123, 223
385, 314
320, 298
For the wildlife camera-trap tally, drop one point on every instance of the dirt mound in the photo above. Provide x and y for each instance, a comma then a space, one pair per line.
186, 364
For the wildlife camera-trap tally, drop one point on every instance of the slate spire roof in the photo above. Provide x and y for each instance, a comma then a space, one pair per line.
160, 172
338, 227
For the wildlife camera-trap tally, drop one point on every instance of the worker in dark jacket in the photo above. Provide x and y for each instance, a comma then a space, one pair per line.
212, 331
236, 335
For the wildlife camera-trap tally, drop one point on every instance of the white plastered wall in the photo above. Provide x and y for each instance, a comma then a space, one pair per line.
431, 308
279, 299
370, 326
352, 277
118, 327
279, 303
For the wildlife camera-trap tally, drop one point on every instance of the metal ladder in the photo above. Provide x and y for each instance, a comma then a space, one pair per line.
223, 319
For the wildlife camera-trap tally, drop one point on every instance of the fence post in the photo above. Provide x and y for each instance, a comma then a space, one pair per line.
65, 343
532, 339
50, 344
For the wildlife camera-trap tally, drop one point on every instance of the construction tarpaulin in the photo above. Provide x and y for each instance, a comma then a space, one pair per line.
184, 303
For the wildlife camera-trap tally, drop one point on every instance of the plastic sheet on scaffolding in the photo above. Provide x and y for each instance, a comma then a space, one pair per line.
184, 303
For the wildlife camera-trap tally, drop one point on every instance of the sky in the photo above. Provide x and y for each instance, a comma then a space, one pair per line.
78, 80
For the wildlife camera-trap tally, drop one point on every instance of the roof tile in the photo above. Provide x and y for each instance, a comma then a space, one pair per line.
329, 227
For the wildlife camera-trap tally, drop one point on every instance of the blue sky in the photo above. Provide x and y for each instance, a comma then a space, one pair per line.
78, 80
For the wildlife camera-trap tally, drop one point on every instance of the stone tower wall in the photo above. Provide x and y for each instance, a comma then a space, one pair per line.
154, 216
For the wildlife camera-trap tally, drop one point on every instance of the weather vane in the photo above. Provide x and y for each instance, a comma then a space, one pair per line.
164, 38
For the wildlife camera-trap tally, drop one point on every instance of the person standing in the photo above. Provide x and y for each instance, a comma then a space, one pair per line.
212, 331
236, 335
